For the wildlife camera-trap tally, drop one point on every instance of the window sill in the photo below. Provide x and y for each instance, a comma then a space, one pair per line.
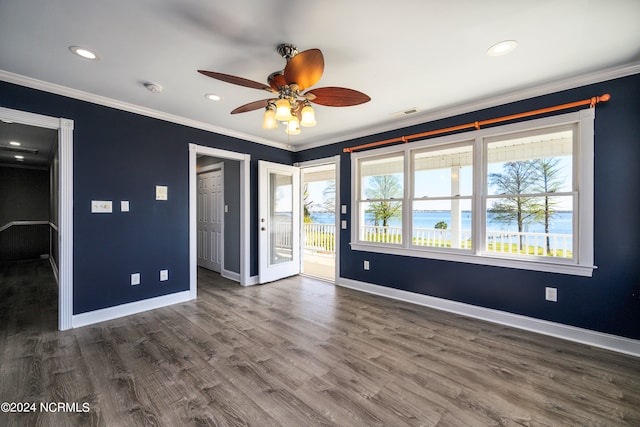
470, 258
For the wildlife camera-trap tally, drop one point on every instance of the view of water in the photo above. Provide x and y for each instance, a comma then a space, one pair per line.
560, 223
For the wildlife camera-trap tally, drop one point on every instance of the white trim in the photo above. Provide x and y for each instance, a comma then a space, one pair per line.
65, 209
538, 90
245, 256
231, 275
335, 160
469, 107
571, 333
128, 309
582, 266
132, 108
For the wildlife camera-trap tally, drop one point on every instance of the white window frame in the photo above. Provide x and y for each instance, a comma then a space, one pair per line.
583, 155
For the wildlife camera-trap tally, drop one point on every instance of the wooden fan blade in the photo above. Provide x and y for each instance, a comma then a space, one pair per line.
277, 80
252, 106
235, 80
337, 97
305, 69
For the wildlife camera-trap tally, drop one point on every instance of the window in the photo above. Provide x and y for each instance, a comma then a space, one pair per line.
381, 191
442, 197
518, 195
530, 194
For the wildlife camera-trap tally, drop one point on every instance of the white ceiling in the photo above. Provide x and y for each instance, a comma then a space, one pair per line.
405, 54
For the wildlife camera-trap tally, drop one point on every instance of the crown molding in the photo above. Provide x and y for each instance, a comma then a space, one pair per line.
518, 95
456, 110
131, 108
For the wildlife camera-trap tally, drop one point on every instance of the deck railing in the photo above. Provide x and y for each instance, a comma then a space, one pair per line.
529, 243
320, 237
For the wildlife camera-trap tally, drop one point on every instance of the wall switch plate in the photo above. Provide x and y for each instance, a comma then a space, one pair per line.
135, 279
344, 209
551, 294
124, 206
101, 206
343, 224
164, 275
162, 192
366, 265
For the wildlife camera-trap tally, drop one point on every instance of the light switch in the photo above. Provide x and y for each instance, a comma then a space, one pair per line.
162, 192
101, 206
343, 224
124, 206
164, 275
344, 209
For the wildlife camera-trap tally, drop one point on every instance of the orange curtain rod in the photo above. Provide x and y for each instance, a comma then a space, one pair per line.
476, 125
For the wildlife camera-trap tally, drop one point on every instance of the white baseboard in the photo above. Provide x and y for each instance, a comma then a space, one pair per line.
128, 309
231, 275
253, 280
54, 267
585, 336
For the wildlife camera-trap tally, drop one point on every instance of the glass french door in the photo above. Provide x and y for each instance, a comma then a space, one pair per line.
279, 221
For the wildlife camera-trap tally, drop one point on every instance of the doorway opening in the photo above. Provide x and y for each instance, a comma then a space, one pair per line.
320, 228
59, 223
222, 243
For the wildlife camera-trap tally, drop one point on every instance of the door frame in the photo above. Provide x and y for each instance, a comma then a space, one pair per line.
212, 168
65, 206
245, 255
318, 162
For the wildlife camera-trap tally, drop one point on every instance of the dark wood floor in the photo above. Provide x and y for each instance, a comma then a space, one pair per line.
298, 352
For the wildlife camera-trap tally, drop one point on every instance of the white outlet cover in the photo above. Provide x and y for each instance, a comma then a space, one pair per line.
344, 209
135, 279
164, 275
366, 265
551, 294
124, 206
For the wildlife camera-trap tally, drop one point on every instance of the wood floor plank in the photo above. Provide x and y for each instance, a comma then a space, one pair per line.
297, 352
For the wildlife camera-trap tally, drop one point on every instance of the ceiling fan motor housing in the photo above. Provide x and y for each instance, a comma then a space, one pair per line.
287, 51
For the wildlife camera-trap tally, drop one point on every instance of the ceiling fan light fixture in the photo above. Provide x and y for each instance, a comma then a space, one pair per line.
293, 126
308, 117
283, 110
269, 120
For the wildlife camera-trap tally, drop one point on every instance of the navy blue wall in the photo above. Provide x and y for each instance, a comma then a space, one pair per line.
604, 302
123, 156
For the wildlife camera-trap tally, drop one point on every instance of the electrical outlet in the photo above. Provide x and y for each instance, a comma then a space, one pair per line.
135, 279
366, 265
551, 294
164, 275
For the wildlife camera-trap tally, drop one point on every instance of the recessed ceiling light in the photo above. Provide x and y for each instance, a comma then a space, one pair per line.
83, 52
15, 143
502, 48
213, 97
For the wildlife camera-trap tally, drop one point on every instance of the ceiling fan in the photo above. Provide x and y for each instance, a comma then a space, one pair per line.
291, 105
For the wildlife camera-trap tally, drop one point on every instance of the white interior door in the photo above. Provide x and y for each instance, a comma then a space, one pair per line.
211, 219
279, 221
